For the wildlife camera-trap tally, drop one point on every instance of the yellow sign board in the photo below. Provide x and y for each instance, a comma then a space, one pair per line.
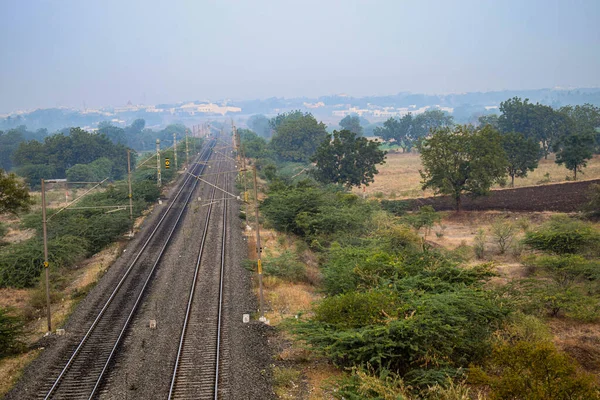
167, 163
45, 264
259, 266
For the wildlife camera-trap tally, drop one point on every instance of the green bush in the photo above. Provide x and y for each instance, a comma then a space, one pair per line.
566, 269
562, 235
285, 266
504, 232
546, 298
534, 371
3, 230
95, 171
21, 263
439, 332
11, 331
314, 212
397, 207
357, 309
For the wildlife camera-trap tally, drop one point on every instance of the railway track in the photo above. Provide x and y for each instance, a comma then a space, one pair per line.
80, 375
197, 371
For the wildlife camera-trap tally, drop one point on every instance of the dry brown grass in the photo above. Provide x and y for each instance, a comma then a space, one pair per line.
318, 378
12, 367
580, 340
399, 177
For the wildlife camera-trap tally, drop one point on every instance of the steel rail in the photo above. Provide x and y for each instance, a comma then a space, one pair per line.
114, 293
193, 294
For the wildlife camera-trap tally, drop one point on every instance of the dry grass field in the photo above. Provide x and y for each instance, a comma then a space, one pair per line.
399, 177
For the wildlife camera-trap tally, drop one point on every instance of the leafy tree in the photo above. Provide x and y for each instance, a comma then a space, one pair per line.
297, 136
491, 119
58, 153
586, 119
347, 159
92, 172
536, 121
34, 173
14, 196
407, 130
401, 131
114, 133
431, 119
462, 160
253, 145
352, 124
9, 142
260, 124
522, 155
574, 150
275, 122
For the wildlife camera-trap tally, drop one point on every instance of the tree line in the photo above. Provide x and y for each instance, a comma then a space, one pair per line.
76, 154
343, 157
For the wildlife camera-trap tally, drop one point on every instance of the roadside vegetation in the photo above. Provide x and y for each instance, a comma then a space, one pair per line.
374, 302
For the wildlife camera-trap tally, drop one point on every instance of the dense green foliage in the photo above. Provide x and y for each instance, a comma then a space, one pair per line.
415, 313
260, 124
462, 160
534, 371
407, 130
539, 122
58, 153
352, 123
253, 145
563, 236
11, 329
78, 233
522, 154
586, 121
574, 150
95, 171
314, 212
297, 136
14, 196
347, 160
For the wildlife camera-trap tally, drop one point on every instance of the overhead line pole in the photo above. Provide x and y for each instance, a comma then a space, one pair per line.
187, 151
258, 248
158, 177
46, 265
130, 192
175, 148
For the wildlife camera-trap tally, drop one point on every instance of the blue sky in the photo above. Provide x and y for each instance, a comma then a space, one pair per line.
65, 53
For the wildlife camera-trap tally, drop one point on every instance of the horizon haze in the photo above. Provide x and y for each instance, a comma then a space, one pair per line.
97, 54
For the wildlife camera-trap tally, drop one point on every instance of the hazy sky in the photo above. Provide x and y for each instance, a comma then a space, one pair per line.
65, 53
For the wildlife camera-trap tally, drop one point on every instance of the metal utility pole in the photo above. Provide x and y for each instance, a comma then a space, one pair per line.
130, 192
158, 177
258, 249
175, 148
187, 150
46, 265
